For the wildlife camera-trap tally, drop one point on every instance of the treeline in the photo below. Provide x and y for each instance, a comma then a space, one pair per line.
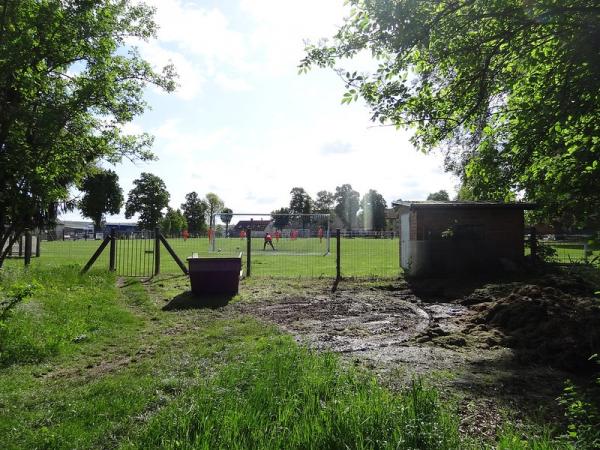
345, 205
149, 198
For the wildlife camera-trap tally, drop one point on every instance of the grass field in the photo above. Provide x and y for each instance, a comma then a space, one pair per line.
308, 257
300, 258
87, 364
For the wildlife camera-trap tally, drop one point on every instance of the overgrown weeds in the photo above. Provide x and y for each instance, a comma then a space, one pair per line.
286, 396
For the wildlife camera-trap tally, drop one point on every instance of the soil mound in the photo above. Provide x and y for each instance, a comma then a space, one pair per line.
545, 324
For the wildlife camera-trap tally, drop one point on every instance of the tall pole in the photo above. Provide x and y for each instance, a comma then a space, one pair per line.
338, 265
156, 251
248, 250
27, 247
113, 251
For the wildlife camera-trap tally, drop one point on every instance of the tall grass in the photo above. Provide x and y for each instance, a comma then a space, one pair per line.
285, 396
65, 310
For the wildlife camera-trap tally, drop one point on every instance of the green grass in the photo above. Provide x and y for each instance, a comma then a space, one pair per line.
360, 257
90, 365
75, 310
285, 396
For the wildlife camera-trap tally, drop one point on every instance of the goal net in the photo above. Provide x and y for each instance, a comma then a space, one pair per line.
271, 234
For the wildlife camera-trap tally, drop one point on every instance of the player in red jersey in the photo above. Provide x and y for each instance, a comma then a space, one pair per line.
320, 234
268, 240
277, 235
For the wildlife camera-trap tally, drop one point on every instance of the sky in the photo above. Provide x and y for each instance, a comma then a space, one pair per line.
245, 125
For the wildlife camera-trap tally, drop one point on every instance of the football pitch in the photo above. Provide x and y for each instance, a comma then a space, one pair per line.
303, 257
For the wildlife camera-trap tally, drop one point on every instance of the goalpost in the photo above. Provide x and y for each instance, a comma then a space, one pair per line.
291, 234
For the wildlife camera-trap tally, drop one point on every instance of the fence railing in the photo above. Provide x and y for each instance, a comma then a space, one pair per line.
372, 254
568, 250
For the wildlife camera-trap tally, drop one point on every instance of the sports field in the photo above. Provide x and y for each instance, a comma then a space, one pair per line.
303, 257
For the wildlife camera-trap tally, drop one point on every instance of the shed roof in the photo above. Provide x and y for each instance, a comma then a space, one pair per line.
433, 204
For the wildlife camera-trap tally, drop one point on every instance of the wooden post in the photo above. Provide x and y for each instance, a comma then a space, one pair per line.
533, 244
112, 263
38, 247
27, 247
96, 254
156, 251
20, 246
173, 254
338, 265
248, 250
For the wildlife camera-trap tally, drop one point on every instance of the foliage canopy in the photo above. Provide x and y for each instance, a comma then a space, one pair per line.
509, 90
148, 198
101, 195
66, 90
194, 211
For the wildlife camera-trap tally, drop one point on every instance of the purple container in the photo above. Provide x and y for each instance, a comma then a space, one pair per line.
215, 275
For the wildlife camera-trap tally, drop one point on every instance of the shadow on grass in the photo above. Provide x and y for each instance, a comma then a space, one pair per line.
189, 300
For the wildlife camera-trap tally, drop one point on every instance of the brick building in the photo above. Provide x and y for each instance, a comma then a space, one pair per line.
439, 238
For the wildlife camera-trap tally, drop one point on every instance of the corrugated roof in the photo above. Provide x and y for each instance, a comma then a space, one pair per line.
431, 204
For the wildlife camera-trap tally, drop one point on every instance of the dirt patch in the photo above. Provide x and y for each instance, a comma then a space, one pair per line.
501, 347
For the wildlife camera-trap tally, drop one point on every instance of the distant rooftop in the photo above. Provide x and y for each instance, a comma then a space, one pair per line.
434, 204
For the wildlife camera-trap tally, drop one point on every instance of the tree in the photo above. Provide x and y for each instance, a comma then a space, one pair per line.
281, 218
173, 223
347, 204
373, 207
300, 203
194, 210
148, 198
439, 196
101, 195
324, 205
65, 93
226, 216
324, 202
509, 89
215, 205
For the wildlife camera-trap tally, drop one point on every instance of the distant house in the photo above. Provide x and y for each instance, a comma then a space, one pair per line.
440, 238
72, 229
120, 227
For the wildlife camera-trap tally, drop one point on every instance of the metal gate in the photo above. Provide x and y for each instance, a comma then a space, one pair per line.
134, 254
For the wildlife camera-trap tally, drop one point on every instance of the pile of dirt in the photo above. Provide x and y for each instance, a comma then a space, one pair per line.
543, 323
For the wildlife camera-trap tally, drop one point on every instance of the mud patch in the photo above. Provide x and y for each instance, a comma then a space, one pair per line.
499, 348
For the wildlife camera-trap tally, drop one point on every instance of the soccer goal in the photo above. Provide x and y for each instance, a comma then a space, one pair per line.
271, 234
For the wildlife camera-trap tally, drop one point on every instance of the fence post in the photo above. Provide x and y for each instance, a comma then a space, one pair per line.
248, 251
38, 245
338, 268
27, 247
533, 244
156, 251
113, 251
20, 246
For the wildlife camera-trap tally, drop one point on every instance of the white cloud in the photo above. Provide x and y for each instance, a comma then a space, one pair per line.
232, 84
190, 79
336, 148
